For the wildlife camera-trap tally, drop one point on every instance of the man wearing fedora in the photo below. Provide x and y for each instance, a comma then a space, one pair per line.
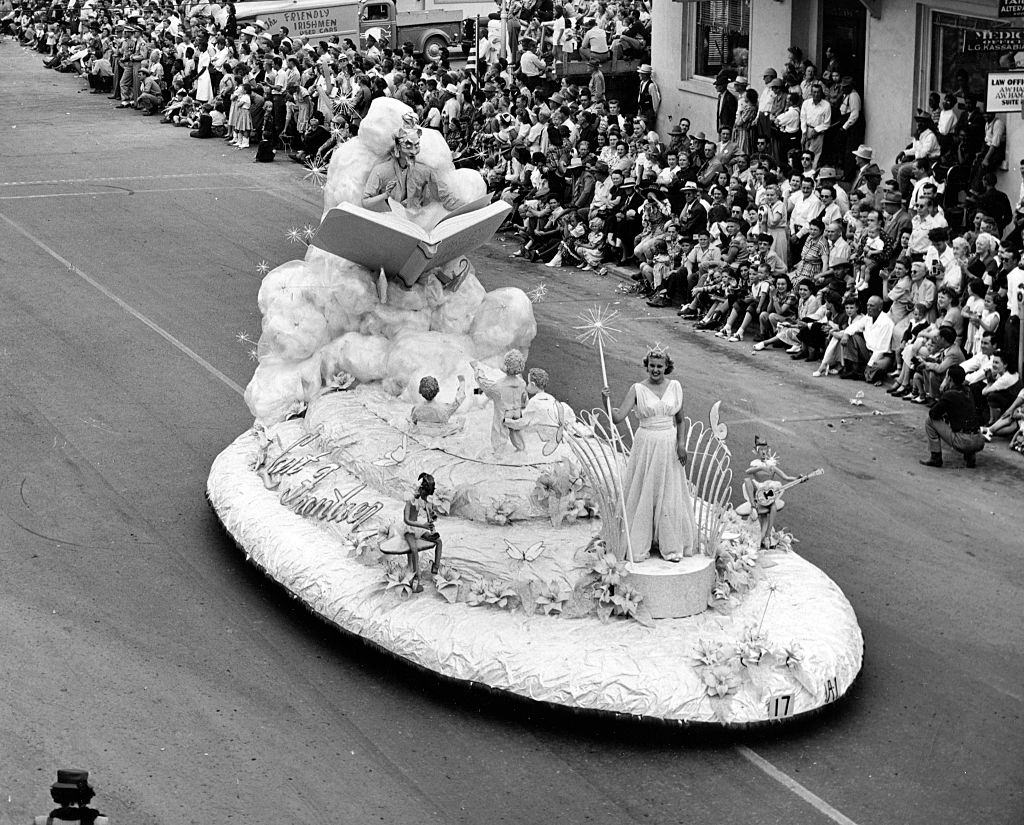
725, 113
862, 157
679, 137
851, 124
693, 218
897, 218
770, 104
648, 99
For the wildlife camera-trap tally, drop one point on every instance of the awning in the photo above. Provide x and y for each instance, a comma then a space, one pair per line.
874, 8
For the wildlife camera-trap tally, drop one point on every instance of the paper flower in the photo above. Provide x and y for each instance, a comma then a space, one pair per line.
398, 579
753, 647
500, 594
610, 569
447, 581
626, 601
551, 598
720, 681
708, 653
477, 593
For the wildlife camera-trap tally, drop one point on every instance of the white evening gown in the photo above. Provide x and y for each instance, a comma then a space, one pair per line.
658, 502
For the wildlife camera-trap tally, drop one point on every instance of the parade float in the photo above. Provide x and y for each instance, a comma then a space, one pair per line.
412, 477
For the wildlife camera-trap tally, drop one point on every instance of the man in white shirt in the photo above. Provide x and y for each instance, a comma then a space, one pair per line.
815, 118
921, 224
924, 145
1014, 298
940, 262
866, 344
531, 66
806, 206
995, 143
838, 249
594, 45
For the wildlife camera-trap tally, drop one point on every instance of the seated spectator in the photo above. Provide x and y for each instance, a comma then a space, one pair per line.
931, 369
780, 306
867, 345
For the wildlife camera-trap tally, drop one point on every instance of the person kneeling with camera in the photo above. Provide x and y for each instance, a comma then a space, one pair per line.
953, 420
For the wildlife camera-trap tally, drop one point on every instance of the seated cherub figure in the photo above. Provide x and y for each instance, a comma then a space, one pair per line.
543, 413
433, 417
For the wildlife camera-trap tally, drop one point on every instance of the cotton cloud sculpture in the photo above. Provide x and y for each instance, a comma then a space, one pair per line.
322, 315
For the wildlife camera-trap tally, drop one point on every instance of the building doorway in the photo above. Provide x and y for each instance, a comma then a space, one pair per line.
843, 35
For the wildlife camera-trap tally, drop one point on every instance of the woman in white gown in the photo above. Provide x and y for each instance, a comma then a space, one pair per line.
658, 503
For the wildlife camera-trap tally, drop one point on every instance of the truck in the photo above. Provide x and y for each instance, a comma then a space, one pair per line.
428, 29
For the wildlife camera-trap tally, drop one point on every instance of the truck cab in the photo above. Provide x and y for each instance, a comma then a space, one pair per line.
427, 29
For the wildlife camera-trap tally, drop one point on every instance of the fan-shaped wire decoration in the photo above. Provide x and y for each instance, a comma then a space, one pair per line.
708, 473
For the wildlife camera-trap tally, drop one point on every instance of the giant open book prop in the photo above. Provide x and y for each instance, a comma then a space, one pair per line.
392, 242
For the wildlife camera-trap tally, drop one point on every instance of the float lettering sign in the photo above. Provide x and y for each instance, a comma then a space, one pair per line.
1004, 92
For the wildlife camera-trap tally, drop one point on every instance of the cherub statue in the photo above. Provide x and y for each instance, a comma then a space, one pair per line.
544, 413
433, 417
762, 489
508, 394
401, 178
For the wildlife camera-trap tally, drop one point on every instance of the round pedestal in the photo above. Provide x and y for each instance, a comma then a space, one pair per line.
672, 590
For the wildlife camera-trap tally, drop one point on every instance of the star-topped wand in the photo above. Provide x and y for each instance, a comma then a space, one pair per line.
596, 327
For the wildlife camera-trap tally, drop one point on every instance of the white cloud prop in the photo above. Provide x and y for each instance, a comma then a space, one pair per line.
322, 316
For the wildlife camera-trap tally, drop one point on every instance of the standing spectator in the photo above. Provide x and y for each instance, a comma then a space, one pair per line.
815, 118
727, 103
851, 124
649, 97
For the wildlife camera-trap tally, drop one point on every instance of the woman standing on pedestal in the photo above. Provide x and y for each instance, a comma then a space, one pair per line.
657, 495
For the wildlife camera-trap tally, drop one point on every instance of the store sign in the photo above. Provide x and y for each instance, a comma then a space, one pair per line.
993, 40
1004, 92
1011, 8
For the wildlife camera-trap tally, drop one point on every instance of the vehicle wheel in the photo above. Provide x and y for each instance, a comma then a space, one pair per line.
433, 45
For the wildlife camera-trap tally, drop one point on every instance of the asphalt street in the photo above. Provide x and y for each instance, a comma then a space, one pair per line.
139, 644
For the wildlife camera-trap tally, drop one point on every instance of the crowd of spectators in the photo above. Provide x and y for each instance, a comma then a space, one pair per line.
776, 220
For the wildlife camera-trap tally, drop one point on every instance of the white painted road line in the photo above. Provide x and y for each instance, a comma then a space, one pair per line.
121, 177
791, 784
206, 365
120, 191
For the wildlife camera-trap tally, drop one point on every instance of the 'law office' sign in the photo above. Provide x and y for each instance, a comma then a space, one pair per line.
1004, 92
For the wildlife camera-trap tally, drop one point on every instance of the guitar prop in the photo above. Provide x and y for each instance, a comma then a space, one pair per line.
769, 492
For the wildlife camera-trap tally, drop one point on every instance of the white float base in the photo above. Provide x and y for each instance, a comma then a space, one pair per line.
617, 666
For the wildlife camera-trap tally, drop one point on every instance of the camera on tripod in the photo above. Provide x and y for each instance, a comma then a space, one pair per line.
72, 793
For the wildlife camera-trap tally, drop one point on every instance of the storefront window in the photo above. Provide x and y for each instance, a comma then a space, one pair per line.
723, 36
966, 49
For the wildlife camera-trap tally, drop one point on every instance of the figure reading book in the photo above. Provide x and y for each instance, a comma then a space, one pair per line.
508, 394
401, 178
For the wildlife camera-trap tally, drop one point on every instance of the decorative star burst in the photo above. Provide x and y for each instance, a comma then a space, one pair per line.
597, 328
262, 268
538, 293
254, 354
308, 231
295, 235
243, 338
316, 174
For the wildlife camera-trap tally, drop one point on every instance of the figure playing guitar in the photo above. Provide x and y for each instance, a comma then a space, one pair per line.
764, 483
